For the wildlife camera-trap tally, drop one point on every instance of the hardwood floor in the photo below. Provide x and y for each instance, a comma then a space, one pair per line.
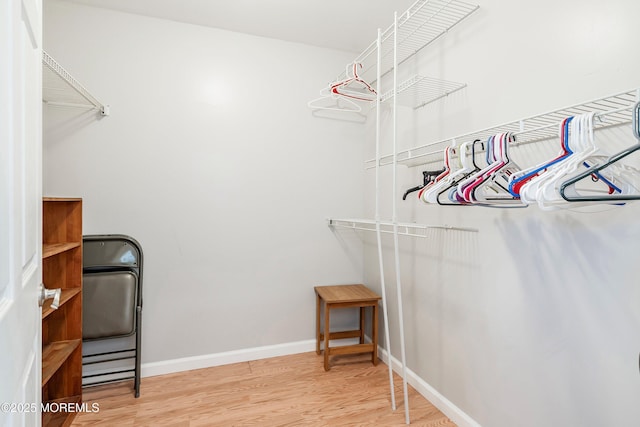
283, 391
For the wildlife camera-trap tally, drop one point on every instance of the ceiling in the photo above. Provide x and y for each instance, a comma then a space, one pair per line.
349, 25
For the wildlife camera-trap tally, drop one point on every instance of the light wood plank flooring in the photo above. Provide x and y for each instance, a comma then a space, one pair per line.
283, 391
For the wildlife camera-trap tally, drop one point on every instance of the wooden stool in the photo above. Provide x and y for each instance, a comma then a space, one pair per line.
343, 296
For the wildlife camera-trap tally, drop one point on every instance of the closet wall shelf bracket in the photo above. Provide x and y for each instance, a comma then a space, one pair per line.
60, 88
404, 229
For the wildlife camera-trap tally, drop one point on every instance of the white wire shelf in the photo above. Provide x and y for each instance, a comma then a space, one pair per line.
60, 88
612, 110
419, 26
404, 229
418, 91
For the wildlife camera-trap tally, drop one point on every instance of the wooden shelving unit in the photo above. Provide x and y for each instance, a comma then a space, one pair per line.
62, 327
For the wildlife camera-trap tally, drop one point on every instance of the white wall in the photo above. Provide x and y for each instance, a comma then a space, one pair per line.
534, 320
212, 161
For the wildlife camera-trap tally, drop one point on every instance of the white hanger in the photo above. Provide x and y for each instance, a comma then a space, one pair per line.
471, 178
588, 153
527, 175
583, 145
456, 167
448, 154
494, 149
623, 180
529, 193
466, 152
333, 102
494, 190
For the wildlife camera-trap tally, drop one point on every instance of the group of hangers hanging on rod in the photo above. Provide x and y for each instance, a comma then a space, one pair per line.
581, 173
345, 94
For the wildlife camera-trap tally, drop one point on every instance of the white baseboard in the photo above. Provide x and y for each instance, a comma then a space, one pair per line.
237, 356
445, 406
225, 358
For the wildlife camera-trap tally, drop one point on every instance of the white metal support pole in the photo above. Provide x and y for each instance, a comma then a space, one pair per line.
394, 219
385, 312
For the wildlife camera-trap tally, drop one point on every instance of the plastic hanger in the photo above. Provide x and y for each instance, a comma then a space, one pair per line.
449, 153
590, 154
527, 191
428, 177
333, 102
459, 166
459, 195
362, 90
620, 178
586, 153
469, 168
455, 194
495, 159
576, 134
494, 190
580, 142
518, 179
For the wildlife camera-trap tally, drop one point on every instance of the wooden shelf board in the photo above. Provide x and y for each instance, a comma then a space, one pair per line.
60, 418
51, 249
61, 199
66, 295
54, 355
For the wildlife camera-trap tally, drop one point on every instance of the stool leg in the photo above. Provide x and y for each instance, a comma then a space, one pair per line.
327, 310
374, 332
362, 314
317, 324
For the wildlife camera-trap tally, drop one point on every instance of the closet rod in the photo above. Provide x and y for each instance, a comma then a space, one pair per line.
355, 227
400, 233
355, 223
601, 115
552, 126
543, 126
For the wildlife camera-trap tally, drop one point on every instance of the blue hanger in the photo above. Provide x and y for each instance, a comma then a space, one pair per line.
567, 153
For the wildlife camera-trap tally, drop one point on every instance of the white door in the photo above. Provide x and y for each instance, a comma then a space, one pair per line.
20, 211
